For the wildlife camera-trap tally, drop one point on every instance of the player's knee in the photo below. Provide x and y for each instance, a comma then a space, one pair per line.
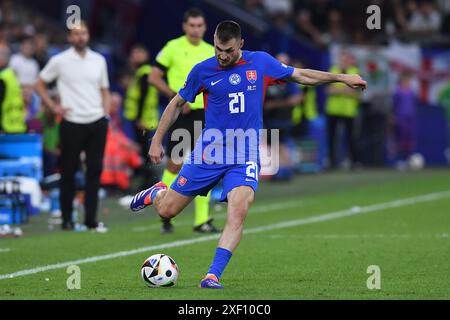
168, 211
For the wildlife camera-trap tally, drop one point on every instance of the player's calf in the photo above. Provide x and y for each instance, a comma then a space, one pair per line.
170, 203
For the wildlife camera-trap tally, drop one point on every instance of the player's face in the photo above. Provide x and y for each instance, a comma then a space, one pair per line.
228, 53
79, 37
194, 28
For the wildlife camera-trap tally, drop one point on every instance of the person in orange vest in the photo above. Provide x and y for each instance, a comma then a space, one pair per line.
121, 153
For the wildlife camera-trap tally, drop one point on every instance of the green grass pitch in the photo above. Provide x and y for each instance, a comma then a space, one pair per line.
321, 234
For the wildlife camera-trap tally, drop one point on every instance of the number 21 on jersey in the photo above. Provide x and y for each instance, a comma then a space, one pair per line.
237, 102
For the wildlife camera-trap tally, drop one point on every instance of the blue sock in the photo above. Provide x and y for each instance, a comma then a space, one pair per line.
154, 193
220, 262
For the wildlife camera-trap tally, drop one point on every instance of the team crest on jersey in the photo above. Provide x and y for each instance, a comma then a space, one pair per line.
181, 181
235, 79
252, 76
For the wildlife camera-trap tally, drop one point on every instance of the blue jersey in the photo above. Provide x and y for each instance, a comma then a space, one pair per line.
233, 101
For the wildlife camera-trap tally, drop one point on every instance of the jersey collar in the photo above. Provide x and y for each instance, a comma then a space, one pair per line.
238, 63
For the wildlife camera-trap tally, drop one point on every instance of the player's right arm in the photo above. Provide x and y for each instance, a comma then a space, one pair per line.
164, 61
49, 74
156, 79
169, 116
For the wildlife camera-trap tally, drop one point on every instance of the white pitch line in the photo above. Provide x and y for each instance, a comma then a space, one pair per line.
354, 236
287, 224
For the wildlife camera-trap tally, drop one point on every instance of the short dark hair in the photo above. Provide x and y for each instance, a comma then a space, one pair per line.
138, 46
227, 30
193, 13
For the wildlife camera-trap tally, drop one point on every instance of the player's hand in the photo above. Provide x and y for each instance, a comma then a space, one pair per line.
186, 108
354, 81
60, 110
156, 152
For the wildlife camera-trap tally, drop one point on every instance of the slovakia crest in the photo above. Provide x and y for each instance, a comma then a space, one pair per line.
252, 76
181, 181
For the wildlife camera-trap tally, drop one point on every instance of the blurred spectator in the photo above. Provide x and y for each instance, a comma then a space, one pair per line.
279, 12
278, 6
50, 136
335, 33
32, 104
41, 49
444, 100
403, 13
404, 118
314, 21
426, 19
12, 110
141, 108
280, 101
376, 106
306, 29
324, 22
121, 153
254, 7
24, 65
318, 10
342, 109
305, 111
124, 77
444, 8
3, 36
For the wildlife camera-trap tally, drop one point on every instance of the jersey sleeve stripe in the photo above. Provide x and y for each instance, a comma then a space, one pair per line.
160, 66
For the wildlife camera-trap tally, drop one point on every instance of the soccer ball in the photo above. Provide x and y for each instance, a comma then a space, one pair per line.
159, 270
416, 162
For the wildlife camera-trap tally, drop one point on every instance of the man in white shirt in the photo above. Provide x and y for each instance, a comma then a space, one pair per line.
24, 65
83, 86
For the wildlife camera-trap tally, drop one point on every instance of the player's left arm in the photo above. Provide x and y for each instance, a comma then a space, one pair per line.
104, 88
314, 77
106, 100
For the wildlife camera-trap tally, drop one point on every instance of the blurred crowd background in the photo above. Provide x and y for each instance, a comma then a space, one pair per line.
400, 121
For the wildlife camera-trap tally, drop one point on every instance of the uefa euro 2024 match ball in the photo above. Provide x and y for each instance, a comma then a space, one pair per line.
159, 270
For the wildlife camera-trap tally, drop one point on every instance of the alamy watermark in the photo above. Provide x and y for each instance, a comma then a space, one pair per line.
374, 281
373, 22
74, 280
74, 19
234, 146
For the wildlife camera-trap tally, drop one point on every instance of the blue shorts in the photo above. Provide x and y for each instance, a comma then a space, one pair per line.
198, 179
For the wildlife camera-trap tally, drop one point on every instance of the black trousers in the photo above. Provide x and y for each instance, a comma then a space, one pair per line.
333, 134
91, 139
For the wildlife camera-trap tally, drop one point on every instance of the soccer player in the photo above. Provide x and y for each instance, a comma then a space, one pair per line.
233, 83
175, 60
